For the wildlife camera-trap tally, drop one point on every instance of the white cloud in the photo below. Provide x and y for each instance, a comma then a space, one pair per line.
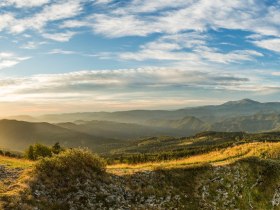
173, 48
147, 6
74, 24
63, 52
122, 80
269, 44
227, 57
49, 13
32, 45
8, 59
118, 26
5, 20
102, 1
137, 19
59, 37
276, 73
129, 88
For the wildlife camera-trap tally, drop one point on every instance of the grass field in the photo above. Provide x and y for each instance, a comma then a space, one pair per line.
219, 157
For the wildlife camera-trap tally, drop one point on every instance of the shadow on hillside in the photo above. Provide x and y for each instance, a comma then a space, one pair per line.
244, 184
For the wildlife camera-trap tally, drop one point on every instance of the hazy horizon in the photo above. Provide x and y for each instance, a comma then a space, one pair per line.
62, 56
34, 114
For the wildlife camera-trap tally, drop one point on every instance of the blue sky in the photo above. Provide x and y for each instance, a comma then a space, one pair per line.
92, 55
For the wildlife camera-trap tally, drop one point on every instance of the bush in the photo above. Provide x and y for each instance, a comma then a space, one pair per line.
56, 148
34, 152
71, 163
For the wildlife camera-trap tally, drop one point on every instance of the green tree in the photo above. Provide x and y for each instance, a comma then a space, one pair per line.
56, 148
30, 153
36, 151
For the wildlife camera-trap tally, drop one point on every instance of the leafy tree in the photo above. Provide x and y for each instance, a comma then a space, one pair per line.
30, 153
56, 148
34, 152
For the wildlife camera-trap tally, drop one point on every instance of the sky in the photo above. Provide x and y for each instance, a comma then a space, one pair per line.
107, 55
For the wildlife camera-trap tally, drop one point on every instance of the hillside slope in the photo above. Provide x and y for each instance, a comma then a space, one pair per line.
109, 129
239, 177
253, 123
185, 126
18, 135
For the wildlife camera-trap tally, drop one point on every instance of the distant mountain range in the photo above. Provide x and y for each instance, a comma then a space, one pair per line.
115, 130
211, 113
104, 130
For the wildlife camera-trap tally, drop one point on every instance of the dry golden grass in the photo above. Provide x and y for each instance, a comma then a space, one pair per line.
219, 157
15, 162
10, 186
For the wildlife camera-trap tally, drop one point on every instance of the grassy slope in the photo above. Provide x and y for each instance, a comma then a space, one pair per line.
167, 143
220, 157
15, 162
240, 177
18, 135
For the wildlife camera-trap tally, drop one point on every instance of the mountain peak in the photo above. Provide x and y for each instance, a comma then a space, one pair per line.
245, 101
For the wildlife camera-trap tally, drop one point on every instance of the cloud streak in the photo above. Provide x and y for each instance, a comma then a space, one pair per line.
92, 84
8, 59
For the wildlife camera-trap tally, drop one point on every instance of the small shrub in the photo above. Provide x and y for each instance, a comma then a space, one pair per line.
7, 153
71, 163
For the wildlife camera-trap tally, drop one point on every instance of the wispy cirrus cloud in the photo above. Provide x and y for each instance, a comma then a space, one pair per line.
62, 52
8, 59
60, 37
186, 20
173, 47
137, 17
41, 18
126, 80
30, 45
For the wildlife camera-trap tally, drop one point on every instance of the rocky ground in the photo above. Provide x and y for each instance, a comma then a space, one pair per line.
248, 184
225, 188
106, 192
7, 172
